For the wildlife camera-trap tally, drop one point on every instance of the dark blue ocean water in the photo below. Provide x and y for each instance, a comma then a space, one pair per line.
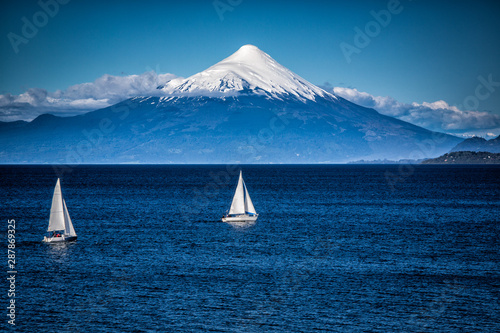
335, 249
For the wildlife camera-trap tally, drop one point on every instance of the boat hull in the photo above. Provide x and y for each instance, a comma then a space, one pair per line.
240, 218
59, 239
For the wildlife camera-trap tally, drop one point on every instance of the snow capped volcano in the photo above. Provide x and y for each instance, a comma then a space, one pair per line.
245, 109
248, 70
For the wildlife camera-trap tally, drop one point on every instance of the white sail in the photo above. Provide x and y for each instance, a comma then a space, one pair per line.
242, 209
249, 208
56, 221
69, 230
238, 204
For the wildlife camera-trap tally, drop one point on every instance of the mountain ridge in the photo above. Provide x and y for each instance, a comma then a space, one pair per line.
478, 144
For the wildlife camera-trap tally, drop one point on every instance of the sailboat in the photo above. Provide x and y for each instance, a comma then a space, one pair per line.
242, 209
60, 226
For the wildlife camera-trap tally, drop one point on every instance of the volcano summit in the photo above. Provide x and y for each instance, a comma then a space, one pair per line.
249, 70
245, 109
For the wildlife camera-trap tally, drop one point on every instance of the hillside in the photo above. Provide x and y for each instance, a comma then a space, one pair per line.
466, 157
478, 144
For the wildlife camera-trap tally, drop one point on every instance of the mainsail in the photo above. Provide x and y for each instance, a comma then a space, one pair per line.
56, 221
242, 204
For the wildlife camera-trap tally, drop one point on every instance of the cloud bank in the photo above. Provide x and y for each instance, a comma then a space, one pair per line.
108, 90
105, 91
437, 116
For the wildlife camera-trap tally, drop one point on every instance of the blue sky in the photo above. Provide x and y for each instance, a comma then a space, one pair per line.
429, 51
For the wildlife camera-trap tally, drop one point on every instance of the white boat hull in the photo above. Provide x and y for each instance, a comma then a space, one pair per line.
61, 239
240, 218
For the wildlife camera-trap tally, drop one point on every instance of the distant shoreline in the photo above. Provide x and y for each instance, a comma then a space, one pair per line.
435, 161
465, 157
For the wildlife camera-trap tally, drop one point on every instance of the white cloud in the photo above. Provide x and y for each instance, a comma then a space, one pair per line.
436, 116
105, 91
108, 90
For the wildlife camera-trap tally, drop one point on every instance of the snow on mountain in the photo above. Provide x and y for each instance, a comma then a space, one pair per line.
248, 70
